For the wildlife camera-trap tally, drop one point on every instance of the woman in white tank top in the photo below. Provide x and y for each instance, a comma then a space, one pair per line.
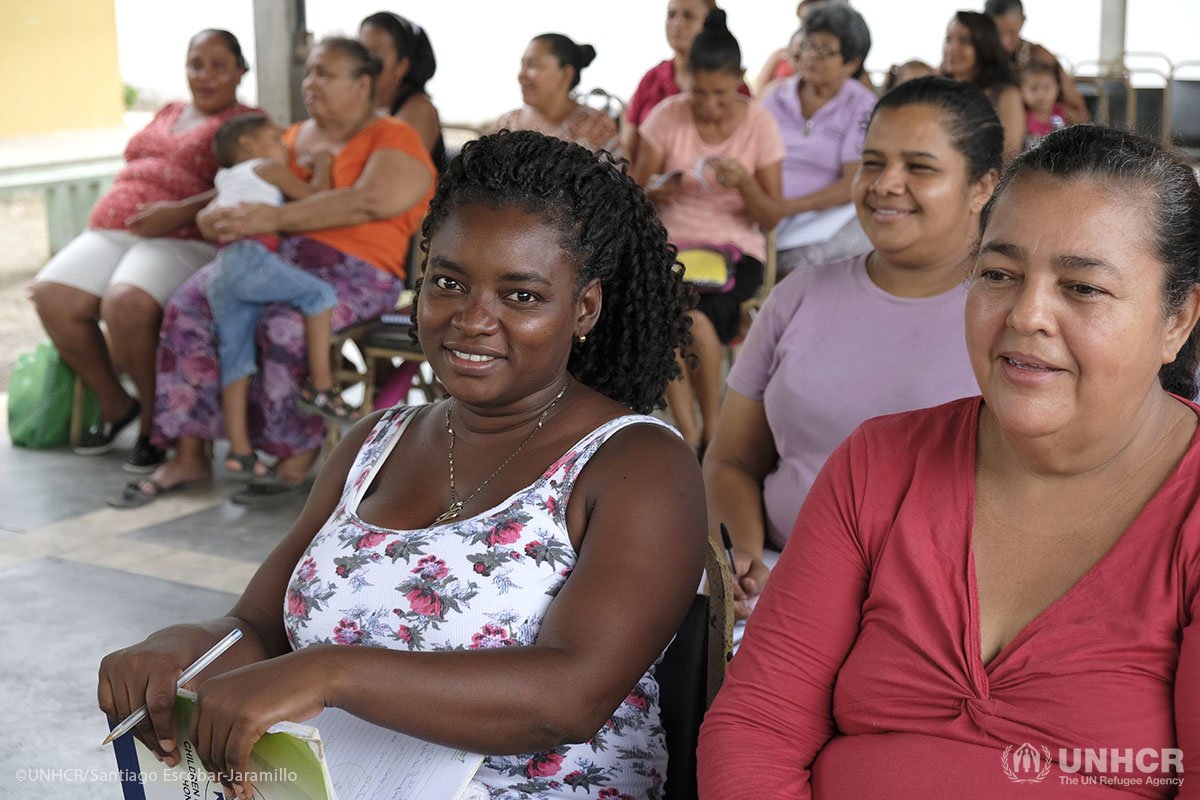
516, 556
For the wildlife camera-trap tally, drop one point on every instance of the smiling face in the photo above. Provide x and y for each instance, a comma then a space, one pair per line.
685, 18
381, 45
958, 53
912, 191
331, 90
544, 81
213, 73
1065, 323
498, 310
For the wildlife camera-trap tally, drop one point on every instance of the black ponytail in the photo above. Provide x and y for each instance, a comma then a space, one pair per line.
715, 49
568, 54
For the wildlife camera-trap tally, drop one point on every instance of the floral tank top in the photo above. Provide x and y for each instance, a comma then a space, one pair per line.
486, 581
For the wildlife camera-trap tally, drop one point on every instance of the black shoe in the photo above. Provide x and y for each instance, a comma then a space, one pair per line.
99, 438
144, 457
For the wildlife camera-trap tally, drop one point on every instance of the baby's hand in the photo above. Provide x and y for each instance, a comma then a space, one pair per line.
321, 159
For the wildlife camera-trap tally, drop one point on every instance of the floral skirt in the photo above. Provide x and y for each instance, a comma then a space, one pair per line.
188, 396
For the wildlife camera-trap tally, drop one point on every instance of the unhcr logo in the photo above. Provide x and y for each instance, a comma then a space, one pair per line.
1026, 764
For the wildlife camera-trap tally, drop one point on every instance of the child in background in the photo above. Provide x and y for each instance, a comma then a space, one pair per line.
1043, 112
899, 73
247, 276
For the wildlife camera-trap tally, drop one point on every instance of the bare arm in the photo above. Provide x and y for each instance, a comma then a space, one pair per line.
390, 183
421, 113
739, 459
648, 164
160, 219
833, 195
761, 191
279, 176
766, 75
1073, 103
644, 508
1012, 116
629, 140
147, 672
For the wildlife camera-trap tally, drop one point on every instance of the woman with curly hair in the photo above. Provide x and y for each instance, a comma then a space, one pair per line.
491, 562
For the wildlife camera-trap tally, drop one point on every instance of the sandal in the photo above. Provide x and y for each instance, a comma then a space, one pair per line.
133, 495
327, 402
246, 463
265, 495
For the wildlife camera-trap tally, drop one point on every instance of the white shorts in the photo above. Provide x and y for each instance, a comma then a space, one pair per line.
96, 260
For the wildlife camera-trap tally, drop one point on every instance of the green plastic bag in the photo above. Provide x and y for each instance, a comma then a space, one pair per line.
40, 394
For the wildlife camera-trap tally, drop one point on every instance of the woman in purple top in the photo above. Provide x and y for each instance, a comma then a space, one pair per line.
875, 334
822, 113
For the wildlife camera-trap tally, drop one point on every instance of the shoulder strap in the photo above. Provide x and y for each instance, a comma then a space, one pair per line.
374, 451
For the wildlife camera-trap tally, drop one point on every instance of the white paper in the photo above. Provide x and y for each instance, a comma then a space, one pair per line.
812, 227
367, 762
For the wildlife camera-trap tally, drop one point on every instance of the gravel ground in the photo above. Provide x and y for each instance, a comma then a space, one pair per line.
24, 248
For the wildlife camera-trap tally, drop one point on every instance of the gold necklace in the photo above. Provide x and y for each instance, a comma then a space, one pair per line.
456, 505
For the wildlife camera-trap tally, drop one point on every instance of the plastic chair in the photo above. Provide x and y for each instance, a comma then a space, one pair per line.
692, 670
1183, 113
604, 101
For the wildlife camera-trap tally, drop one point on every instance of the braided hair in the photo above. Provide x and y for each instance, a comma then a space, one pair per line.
612, 231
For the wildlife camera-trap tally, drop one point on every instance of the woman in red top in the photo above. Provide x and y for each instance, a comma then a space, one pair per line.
354, 237
141, 244
1006, 588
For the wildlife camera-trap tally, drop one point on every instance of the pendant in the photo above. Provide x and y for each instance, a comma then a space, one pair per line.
450, 513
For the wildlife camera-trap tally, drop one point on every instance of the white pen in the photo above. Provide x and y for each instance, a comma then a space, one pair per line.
203, 661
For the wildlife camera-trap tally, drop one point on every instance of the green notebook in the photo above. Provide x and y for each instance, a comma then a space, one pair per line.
333, 756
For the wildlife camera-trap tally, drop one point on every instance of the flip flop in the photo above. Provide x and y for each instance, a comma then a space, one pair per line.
328, 403
256, 494
133, 496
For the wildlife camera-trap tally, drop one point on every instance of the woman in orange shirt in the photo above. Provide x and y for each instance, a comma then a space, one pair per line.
354, 237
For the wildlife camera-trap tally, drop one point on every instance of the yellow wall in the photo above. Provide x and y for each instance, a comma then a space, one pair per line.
60, 62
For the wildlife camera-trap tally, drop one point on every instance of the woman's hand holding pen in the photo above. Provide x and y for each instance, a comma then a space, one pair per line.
749, 579
146, 673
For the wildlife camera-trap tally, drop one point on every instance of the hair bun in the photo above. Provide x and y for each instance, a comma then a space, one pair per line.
715, 21
587, 54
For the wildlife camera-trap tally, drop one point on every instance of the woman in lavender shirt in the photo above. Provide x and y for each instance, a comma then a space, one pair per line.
822, 113
874, 334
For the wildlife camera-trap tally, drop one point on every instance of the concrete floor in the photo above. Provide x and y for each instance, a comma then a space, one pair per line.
79, 579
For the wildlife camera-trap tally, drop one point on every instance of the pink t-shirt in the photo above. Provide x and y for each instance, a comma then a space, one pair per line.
713, 215
860, 674
829, 350
161, 165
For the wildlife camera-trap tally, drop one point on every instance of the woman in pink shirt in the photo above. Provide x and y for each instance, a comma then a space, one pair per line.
685, 18
710, 160
1000, 597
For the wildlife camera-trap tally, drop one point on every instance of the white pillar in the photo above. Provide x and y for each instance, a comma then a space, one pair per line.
281, 43
1112, 32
